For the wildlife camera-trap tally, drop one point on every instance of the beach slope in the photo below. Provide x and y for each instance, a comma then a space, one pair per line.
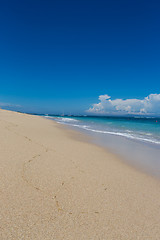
55, 185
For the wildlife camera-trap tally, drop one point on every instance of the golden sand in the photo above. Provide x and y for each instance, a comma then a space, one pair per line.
54, 186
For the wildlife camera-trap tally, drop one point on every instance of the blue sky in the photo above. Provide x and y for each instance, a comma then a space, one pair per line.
60, 56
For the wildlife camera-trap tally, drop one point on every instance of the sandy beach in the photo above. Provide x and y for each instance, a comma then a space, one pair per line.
55, 184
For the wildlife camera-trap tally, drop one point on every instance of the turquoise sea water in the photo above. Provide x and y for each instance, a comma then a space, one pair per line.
136, 139
140, 129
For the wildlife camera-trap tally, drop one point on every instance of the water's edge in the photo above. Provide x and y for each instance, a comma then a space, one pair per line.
142, 155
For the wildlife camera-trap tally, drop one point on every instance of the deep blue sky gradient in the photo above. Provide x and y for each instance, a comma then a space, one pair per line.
60, 55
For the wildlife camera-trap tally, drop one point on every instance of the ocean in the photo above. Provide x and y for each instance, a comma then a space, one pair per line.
136, 139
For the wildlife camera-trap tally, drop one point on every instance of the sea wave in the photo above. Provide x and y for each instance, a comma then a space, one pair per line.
116, 133
67, 119
46, 116
127, 135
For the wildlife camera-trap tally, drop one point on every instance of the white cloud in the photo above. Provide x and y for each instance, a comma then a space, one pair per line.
148, 105
2, 104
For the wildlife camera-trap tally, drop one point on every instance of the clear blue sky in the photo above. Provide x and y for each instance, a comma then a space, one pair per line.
60, 55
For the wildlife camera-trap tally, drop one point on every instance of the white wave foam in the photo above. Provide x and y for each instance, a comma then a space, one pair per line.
68, 119
121, 134
48, 117
126, 135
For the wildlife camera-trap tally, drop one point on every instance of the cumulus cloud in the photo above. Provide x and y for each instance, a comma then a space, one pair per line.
149, 105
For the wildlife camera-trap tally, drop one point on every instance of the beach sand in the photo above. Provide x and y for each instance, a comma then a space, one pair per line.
56, 185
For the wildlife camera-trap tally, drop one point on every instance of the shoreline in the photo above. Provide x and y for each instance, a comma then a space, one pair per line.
90, 138
55, 186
